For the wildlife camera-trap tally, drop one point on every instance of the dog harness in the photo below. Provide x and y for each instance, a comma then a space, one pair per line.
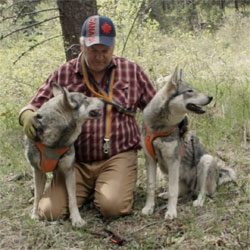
49, 157
108, 98
150, 136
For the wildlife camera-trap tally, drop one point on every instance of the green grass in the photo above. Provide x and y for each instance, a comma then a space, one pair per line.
214, 63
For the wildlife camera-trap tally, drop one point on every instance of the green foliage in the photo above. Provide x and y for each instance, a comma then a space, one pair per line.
187, 15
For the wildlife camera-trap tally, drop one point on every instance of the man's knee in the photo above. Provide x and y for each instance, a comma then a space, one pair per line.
114, 207
48, 211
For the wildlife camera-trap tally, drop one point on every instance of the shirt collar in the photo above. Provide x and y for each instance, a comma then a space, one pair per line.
78, 68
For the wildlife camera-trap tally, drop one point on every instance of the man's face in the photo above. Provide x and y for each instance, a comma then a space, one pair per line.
98, 57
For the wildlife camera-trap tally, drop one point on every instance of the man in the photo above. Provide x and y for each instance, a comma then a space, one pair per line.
106, 150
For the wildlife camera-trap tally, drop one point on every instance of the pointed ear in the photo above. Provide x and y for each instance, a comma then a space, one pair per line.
174, 80
57, 90
67, 101
177, 76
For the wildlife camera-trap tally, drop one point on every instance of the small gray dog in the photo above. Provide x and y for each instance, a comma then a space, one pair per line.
180, 155
60, 122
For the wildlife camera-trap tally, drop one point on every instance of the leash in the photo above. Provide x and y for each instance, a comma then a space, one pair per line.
49, 156
102, 94
183, 149
108, 98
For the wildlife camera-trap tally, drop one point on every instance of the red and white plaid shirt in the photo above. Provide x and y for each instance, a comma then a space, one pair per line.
132, 89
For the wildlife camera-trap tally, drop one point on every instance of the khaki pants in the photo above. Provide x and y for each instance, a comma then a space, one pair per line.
112, 181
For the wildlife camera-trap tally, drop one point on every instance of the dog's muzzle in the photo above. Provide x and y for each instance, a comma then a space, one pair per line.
96, 113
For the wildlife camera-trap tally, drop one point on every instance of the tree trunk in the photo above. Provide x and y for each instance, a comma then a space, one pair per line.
236, 5
72, 15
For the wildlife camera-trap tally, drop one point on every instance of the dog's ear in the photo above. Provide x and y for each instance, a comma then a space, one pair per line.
177, 76
67, 102
174, 80
57, 90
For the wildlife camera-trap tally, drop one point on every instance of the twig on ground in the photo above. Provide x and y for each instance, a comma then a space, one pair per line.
141, 228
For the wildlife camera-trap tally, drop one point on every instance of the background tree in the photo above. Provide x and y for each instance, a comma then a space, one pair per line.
192, 15
72, 15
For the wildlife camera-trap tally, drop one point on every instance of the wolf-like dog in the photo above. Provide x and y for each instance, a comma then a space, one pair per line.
59, 124
180, 155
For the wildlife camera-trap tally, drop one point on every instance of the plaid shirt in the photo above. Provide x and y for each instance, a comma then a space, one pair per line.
132, 89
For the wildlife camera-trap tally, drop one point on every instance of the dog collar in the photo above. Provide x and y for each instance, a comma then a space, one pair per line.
49, 157
151, 135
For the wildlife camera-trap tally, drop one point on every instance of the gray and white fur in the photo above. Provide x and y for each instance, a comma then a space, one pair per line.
195, 171
60, 122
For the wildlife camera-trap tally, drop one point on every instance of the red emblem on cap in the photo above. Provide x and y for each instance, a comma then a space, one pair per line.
106, 28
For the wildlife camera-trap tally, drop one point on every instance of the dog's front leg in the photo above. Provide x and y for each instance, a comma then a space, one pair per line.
39, 183
151, 179
173, 188
75, 216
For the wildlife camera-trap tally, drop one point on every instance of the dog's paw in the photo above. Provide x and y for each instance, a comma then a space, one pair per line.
170, 215
34, 215
198, 203
78, 222
163, 195
147, 210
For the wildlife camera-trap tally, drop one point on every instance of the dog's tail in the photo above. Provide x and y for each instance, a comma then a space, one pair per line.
226, 175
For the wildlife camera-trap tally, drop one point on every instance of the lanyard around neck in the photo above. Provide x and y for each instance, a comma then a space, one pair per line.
108, 98
102, 94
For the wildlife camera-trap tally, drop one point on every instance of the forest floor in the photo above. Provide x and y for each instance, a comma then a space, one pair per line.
223, 222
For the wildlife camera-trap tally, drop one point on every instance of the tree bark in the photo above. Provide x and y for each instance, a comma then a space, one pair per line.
236, 5
72, 15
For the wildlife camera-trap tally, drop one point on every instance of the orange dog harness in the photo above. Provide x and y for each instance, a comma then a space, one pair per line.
150, 136
49, 156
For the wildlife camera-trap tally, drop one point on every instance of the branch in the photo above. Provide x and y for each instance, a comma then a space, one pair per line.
132, 26
34, 46
28, 13
141, 228
15, 3
20, 12
28, 26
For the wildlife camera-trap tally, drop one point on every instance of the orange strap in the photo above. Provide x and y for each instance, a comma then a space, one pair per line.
49, 156
150, 136
106, 97
106, 144
101, 95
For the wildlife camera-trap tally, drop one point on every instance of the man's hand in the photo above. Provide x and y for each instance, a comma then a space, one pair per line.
29, 123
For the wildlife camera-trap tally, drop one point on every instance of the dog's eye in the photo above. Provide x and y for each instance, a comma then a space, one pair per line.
190, 91
38, 116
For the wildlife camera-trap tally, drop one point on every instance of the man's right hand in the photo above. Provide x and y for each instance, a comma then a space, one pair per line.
29, 123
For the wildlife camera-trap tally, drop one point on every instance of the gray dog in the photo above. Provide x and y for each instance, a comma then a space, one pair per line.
189, 167
60, 121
